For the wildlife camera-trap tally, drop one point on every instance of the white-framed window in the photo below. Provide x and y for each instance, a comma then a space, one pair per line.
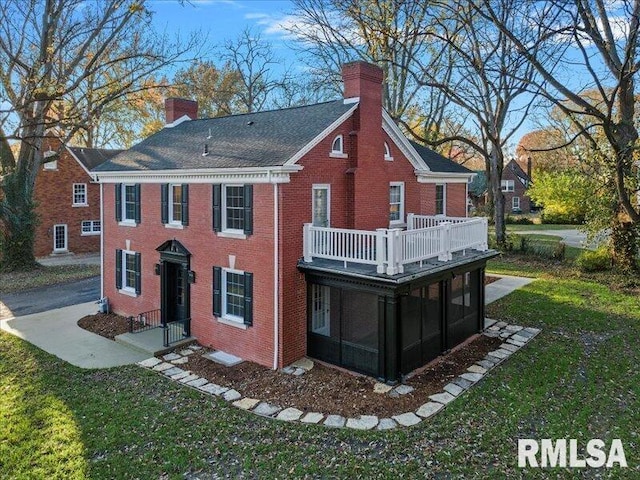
60, 238
441, 199
396, 203
321, 205
337, 148
515, 203
233, 295
128, 272
387, 152
50, 165
127, 203
507, 185
79, 194
90, 227
233, 209
175, 204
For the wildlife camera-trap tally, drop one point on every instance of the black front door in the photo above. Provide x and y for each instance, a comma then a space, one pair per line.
175, 292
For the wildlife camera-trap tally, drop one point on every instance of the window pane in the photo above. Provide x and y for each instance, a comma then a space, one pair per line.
439, 199
235, 294
86, 227
79, 193
176, 203
97, 227
395, 202
130, 270
235, 208
129, 202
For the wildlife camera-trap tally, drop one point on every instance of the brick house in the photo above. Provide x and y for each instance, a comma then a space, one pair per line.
514, 184
317, 230
68, 200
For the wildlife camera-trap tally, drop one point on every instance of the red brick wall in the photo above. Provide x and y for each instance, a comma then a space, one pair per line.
519, 191
54, 198
455, 198
254, 254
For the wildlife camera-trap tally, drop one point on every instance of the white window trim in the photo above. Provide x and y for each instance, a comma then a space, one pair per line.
73, 195
126, 222
235, 320
321, 186
130, 291
173, 223
92, 230
66, 238
401, 221
338, 153
387, 153
230, 232
444, 199
505, 184
513, 203
51, 166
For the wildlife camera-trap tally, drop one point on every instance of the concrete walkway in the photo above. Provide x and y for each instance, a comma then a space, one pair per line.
504, 286
57, 332
570, 237
70, 259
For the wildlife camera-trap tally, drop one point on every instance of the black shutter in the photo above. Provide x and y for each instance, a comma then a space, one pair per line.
164, 202
248, 209
118, 269
248, 298
138, 273
185, 204
118, 187
137, 199
217, 291
217, 208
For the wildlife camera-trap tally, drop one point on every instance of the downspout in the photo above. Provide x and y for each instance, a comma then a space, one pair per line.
101, 242
276, 275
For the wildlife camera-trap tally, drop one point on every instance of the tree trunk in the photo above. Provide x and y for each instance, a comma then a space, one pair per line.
495, 185
625, 243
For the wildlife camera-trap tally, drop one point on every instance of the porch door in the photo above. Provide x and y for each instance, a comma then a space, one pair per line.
60, 238
321, 205
320, 309
175, 292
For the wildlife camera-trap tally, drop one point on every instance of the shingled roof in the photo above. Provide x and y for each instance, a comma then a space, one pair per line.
262, 139
92, 157
436, 162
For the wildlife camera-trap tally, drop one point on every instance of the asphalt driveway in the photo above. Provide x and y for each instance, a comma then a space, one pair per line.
49, 298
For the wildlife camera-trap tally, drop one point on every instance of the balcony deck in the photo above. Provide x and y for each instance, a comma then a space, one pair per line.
428, 246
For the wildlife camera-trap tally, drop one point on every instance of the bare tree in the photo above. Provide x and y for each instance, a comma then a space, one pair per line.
600, 41
484, 79
48, 51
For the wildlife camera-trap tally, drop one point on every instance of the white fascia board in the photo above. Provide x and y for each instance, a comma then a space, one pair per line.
443, 177
402, 143
79, 162
278, 174
307, 148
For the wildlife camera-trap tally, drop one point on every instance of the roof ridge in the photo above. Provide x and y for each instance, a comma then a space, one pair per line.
266, 111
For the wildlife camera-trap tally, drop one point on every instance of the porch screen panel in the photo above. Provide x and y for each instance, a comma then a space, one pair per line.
431, 323
360, 331
463, 308
411, 330
323, 338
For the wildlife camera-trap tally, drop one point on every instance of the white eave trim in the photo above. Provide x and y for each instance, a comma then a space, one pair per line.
307, 148
443, 177
402, 142
277, 174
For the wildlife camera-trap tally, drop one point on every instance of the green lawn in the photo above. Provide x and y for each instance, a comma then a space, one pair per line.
578, 379
43, 276
537, 227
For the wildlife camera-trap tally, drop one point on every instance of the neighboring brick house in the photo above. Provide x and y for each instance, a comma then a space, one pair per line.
280, 234
68, 200
515, 183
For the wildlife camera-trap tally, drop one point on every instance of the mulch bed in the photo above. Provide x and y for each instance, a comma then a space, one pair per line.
323, 389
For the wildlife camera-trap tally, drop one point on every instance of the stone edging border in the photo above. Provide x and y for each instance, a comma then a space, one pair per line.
514, 338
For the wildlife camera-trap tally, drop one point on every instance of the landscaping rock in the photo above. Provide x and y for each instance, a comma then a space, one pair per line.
195, 348
477, 369
312, 417
289, 414
513, 328
486, 364
511, 341
188, 378
299, 371
428, 409
180, 361
335, 421
246, 403
526, 333
179, 376
442, 398
198, 382
453, 389
489, 322
161, 367
407, 419
472, 377
532, 330
231, 395
404, 389
170, 372
381, 387
289, 370
186, 352
500, 354
150, 362
170, 356
491, 334
461, 382
266, 409
509, 347
520, 338
386, 424
364, 422
213, 389
501, 324
304, 363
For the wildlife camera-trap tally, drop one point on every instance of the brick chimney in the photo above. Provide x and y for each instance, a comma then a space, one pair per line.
370, 191
176, 108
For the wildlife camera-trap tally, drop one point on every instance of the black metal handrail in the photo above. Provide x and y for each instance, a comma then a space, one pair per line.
176, 331
145, 321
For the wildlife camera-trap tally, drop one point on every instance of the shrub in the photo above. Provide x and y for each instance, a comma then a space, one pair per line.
518, 220
557, 218
594, 260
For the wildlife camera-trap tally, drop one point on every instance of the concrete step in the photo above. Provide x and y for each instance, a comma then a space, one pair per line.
150, 341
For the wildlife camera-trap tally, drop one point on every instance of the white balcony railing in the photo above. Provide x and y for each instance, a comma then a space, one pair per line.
391, 249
